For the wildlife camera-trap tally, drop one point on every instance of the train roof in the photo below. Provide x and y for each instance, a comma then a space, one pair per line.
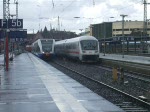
42, 39
60, 42
82, 38
76, 39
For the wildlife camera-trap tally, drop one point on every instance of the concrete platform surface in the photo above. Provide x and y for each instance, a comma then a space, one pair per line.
32, 85
127, 58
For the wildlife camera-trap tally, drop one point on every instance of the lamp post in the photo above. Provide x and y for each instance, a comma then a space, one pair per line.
123, 16
104, 38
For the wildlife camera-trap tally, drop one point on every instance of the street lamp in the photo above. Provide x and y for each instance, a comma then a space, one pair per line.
123, 16
83, 17
76, 17
110, 18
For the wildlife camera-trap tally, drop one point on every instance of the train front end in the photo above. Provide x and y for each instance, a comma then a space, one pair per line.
89, 50
47, 49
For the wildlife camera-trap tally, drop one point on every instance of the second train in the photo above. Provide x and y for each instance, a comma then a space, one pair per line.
83, 48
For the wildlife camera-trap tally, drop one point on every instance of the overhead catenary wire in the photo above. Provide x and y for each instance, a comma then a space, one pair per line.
63, 8
53, 3
62, 13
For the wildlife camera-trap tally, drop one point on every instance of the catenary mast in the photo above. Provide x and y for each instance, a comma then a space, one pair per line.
145, 18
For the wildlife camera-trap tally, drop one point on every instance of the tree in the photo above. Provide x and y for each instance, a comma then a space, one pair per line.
45, 33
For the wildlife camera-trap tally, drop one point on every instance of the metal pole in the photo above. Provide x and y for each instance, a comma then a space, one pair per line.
104, 39
58, 24
7, 52
123, 16
4, 18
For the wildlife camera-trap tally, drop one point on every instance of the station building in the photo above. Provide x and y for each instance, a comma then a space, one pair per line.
129, 27
114, 29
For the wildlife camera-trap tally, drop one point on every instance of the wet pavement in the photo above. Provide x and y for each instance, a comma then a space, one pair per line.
32, 85
22, 90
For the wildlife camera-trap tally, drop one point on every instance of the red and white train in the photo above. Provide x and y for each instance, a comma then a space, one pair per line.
83, 48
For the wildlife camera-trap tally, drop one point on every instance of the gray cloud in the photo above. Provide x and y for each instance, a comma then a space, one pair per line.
40, 13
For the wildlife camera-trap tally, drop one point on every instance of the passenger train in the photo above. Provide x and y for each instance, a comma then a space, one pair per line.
28, 48
43, 48
83, 48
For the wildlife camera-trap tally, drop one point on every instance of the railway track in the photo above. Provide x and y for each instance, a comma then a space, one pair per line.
135, 76
138, 76
125, 101
130, 67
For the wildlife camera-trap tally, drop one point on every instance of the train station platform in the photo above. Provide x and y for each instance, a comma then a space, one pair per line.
32, 85
127, 58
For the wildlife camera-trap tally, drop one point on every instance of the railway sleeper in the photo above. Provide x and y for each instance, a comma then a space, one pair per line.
136, 110
129, 107
133, 109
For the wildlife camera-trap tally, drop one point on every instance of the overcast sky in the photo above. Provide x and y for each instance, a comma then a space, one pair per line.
40, 13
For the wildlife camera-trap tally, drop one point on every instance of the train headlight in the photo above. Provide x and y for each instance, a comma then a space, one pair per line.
43, 52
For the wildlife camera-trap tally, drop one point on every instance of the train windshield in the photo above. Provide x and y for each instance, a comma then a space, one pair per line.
89, 45
47, 45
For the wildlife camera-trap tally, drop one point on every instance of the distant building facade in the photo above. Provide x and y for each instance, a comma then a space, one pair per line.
129, 27
112, 29
102, 30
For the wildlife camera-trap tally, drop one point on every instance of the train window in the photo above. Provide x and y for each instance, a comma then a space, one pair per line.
89, 45
38, 49
74, 46
47, 45
47, 41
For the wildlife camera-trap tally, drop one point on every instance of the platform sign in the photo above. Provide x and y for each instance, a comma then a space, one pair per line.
3, 23
11, 23
17, 34
15, 23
